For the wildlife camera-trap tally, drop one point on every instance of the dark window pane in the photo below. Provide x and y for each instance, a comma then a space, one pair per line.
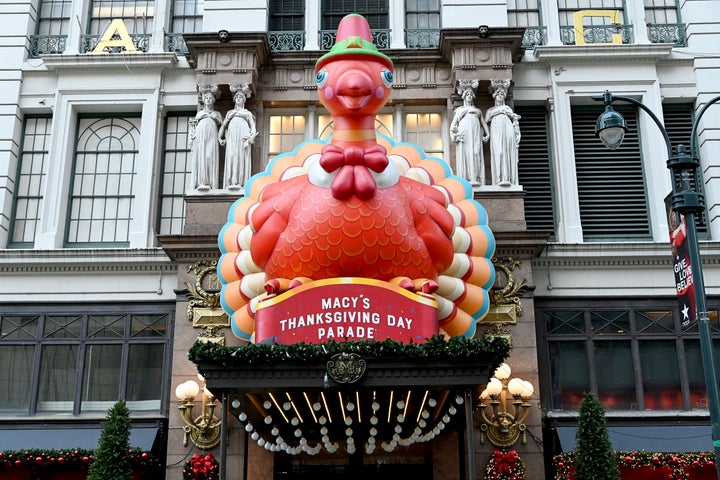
616, 384
15, 380
611, 183
661, 375
695, 373
101, 381
569, 372
106, 326
661, 321
610, 322
58, 377
61, 326
565, 322
144, 383
18, 327
149, 325
534, 167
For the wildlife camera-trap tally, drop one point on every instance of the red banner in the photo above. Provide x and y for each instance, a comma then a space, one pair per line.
682, 267
343, 309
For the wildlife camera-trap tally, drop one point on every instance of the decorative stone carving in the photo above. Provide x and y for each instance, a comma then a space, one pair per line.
204, 150
238, 133
504, 136
204, 310
469, 130
346, 367
505, 305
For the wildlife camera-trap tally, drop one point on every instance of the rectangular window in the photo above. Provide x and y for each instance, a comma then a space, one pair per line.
286, 25
83, 362
30, 181
383, 125
626, 352
175, 174
103, 178
664, 23
375, 11
523, 13
422, 23
526, 13
595, 29
286, 132
52, 27
187, 17
678, 119
534, 167
425, 130
287, 15
137, 15
611, 183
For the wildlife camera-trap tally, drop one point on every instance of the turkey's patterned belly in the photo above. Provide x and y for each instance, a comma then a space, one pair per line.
328, 238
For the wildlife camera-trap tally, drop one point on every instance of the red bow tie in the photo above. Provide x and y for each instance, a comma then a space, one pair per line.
355, 164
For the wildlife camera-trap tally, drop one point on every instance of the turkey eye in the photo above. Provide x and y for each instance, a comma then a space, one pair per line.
321, 78
387, 78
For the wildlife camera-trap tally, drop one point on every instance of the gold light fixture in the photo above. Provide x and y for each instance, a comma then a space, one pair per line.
503, 428
203, 430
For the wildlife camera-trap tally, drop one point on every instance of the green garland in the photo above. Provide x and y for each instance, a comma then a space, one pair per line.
73, 459
436, 349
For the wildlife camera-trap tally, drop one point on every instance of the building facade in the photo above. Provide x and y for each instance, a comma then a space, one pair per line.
96, 205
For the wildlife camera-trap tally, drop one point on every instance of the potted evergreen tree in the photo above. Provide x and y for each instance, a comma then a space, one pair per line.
112, 460
594, 458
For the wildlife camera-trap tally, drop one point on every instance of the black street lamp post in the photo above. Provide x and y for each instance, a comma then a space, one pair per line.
687, 200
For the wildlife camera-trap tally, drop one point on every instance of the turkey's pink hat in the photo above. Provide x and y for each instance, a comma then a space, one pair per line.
354, 25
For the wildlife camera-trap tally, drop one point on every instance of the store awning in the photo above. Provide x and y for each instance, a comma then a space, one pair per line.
657, 438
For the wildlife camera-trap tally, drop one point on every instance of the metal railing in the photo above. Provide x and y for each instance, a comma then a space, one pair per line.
175, 43
47, 44
597, 34
534, 36
422, 38
286, 41
668, 33
381, 38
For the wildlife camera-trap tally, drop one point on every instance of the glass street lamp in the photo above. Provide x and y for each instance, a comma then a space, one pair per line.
686, 200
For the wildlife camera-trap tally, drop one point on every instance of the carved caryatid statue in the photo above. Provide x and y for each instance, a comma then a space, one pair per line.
205, 150
504, 136
238, 133
469, 130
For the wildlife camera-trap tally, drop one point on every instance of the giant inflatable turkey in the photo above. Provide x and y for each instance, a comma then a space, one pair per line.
358, 211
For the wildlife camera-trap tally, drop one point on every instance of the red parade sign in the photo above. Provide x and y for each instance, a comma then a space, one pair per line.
343, 309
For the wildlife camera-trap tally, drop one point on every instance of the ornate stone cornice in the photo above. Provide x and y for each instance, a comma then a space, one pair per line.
85, 260
646, 254
111, 61
647, 53
522, 244
190, 248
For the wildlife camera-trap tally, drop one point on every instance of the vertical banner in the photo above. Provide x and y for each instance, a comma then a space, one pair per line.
684, 286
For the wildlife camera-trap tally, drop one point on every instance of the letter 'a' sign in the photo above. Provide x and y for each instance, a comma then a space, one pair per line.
116, 37
342, 309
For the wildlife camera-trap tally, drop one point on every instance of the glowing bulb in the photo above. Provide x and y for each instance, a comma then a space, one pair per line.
503, 372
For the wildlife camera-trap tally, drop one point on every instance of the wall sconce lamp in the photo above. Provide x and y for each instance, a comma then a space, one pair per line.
503, 428
203, 430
